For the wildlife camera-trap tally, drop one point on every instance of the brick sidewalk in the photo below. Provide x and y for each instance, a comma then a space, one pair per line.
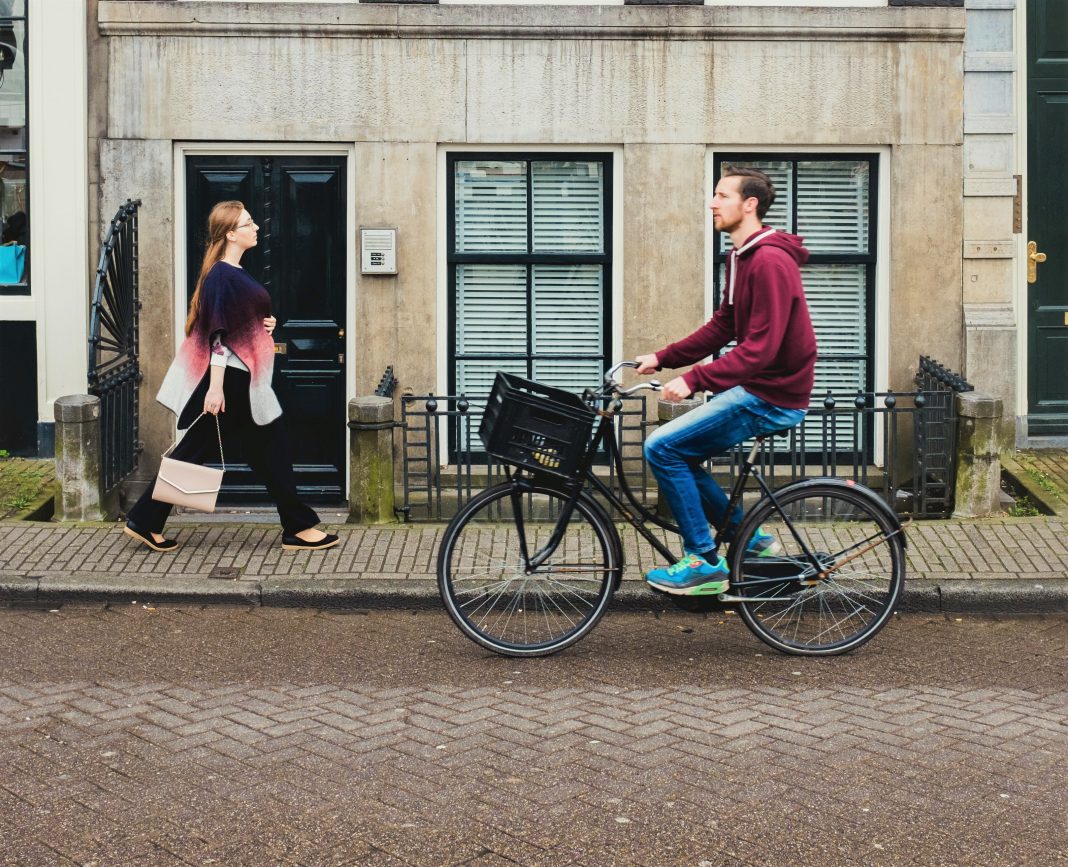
245, 558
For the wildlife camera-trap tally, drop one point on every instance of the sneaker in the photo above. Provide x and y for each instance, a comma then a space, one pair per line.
763, 544
692, 576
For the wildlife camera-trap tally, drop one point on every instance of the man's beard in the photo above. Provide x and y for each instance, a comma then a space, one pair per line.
726, 227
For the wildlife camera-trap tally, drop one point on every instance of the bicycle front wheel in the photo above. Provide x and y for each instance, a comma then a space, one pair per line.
500, 604
836, 603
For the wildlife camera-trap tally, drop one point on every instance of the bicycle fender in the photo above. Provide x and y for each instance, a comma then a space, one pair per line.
877, 502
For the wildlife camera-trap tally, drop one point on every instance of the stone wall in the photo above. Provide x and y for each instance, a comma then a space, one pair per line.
990, 123
659, 84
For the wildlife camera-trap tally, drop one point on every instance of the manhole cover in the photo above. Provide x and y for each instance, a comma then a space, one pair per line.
229, 572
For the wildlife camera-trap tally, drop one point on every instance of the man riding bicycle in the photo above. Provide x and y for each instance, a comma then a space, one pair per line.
762, 385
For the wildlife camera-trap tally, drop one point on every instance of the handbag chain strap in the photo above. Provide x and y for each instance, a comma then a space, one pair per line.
218, 431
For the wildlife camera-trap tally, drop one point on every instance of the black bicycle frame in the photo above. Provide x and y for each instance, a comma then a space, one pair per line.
640, 516
605, 435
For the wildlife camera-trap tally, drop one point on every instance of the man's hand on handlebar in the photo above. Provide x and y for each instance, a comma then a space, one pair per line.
647, 364
675, 390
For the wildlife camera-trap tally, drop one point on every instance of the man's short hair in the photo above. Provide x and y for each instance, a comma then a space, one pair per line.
754, 185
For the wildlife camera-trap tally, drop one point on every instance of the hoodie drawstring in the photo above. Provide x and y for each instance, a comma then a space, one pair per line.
734, 259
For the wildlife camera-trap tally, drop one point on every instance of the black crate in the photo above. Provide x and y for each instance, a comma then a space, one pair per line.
536, 426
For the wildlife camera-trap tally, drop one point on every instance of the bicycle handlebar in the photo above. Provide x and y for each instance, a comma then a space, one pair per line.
612, 385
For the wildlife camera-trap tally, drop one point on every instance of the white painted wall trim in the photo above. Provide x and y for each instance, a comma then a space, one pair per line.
1021, 310
881, 354
343, 149
616, 350
57, 78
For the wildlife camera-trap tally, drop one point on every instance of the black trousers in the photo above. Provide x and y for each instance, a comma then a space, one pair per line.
265, 447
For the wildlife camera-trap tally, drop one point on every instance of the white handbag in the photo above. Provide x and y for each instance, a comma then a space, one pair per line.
191, 486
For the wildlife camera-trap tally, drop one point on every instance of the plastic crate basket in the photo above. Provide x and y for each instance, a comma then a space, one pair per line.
536, 426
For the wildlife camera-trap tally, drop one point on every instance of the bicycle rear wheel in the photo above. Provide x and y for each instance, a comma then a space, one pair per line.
840, 602
487, 589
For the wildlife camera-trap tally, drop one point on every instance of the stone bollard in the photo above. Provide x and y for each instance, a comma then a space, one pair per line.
78, 470
978, 485
371, 495
665, 412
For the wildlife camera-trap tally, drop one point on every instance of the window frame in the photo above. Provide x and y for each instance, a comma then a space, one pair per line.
23, 288
527, 259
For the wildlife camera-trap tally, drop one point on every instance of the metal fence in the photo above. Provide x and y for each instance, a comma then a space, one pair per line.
439, 474
902, 445
114, 370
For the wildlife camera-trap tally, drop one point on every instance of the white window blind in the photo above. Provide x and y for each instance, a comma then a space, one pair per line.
530, 282
491, 308
568, 207
491, 207
832, 206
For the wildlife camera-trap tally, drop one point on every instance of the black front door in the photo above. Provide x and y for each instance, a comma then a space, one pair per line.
1047, 189
299, 204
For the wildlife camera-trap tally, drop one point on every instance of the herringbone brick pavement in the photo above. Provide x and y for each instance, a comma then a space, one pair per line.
163, 735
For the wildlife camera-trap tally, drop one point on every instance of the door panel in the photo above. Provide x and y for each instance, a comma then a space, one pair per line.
1047, 190
299, 203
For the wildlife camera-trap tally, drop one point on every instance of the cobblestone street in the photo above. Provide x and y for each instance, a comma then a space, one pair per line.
233, 735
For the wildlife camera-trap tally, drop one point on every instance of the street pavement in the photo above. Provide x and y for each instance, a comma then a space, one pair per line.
997, 564
159, 734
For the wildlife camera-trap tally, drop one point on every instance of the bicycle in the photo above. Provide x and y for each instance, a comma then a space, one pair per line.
528, 567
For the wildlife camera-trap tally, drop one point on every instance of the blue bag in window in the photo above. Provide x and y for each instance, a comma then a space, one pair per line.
12, 263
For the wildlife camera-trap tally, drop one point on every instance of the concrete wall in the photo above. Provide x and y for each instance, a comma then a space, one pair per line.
662, 83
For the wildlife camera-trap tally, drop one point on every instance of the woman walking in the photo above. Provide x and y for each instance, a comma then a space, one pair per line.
224, 368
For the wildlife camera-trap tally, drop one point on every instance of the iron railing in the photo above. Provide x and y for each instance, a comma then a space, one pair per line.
439, 473
901, 445
387, 384
114, 370
936, 438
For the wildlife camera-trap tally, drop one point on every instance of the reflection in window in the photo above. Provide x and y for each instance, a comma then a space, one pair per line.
14, 192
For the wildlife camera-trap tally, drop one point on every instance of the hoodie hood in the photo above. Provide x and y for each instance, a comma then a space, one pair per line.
767, 237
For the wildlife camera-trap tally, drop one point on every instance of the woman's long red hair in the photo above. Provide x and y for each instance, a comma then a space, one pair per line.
223, 218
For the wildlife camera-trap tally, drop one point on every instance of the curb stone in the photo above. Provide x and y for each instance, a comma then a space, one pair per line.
931, 597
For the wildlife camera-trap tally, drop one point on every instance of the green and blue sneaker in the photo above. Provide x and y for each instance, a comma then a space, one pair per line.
693, 575
763, 544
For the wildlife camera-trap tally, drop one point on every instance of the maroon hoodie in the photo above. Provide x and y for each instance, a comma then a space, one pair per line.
764, 309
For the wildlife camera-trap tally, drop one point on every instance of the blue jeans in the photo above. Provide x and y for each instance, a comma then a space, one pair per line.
676, 450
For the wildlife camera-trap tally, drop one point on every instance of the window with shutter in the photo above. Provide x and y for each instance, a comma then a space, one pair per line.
829, 200
529, 271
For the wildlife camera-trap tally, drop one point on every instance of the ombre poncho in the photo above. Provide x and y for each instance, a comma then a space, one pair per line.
235, 305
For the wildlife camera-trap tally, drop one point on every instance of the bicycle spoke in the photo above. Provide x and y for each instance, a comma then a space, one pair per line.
489, 592
824, 608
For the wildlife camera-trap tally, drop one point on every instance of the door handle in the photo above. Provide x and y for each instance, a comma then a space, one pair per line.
1034, 259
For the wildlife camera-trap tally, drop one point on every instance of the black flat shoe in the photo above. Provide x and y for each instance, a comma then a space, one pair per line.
295, 543
134, 532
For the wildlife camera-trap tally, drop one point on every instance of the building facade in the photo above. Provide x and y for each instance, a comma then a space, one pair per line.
546, 170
